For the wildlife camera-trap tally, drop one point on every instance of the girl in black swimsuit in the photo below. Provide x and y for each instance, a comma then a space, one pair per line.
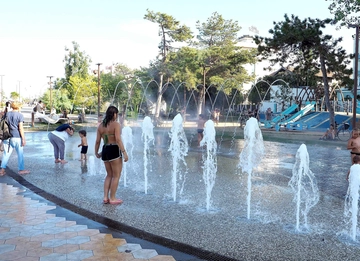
113, 152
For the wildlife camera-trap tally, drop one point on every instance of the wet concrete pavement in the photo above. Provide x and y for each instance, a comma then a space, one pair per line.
223, 232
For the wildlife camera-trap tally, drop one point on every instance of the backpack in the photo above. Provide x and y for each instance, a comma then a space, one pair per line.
4, 129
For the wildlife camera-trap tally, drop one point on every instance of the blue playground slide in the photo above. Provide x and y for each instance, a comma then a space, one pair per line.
281, 116
299, 114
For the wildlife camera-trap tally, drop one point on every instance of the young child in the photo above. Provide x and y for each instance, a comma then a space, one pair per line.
354, 144
83, 144
329, 134
356, 160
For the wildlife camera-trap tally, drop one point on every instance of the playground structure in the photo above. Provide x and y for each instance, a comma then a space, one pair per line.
51, 118
306, 111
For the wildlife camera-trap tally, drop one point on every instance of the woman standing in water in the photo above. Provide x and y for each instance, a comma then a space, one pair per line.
112, 153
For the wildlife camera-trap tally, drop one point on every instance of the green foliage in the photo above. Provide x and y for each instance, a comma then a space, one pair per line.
77, 62
85, 91
183, 66
60, 99
345, 11
170, 31
220, 54
217, 32
14, 96
122, 87
302, 45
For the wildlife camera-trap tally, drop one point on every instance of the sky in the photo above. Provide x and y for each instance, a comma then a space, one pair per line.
34, 34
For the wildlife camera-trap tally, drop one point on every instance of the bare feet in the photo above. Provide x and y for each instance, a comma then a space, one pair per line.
116, 202
63, 161
23, 172
2, 172
57, 161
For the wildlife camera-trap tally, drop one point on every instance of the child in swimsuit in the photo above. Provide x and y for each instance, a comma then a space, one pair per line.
200, 127
83, 144
354, 144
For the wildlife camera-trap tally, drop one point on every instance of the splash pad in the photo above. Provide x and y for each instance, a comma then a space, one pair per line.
224, 229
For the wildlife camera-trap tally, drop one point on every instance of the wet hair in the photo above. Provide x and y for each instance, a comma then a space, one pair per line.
40, 101
356, 159
109, 116
83, 132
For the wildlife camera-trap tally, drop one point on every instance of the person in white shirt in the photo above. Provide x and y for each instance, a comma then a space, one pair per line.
57, 139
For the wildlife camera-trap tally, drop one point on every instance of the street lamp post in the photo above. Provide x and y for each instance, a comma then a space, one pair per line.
19, 92
98, 109
356, 68
50, 92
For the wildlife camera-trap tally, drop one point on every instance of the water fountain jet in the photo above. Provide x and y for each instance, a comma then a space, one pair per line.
352, 200
178, 148
147, 137
252, 153
209, 159
303, 184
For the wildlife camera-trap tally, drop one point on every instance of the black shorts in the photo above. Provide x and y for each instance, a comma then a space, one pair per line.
84, 149
200, 131
110, 152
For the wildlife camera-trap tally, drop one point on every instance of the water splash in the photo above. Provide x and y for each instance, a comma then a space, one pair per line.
352, 200
147, 137
179, 148
209, 159
252, 153
127, 138
92, 168
303, 183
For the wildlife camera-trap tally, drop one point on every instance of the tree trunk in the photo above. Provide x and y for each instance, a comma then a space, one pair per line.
201, 101
326, 91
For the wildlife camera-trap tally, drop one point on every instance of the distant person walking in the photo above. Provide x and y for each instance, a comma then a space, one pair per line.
17, 141
39, 108
113, 152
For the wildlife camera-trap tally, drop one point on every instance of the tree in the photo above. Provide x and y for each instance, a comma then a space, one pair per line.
121, 87
221, 57
283, 95
345, 11
85, 91
170, 31
14, 95
346, 14
60, 99
301, 44
77, 62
